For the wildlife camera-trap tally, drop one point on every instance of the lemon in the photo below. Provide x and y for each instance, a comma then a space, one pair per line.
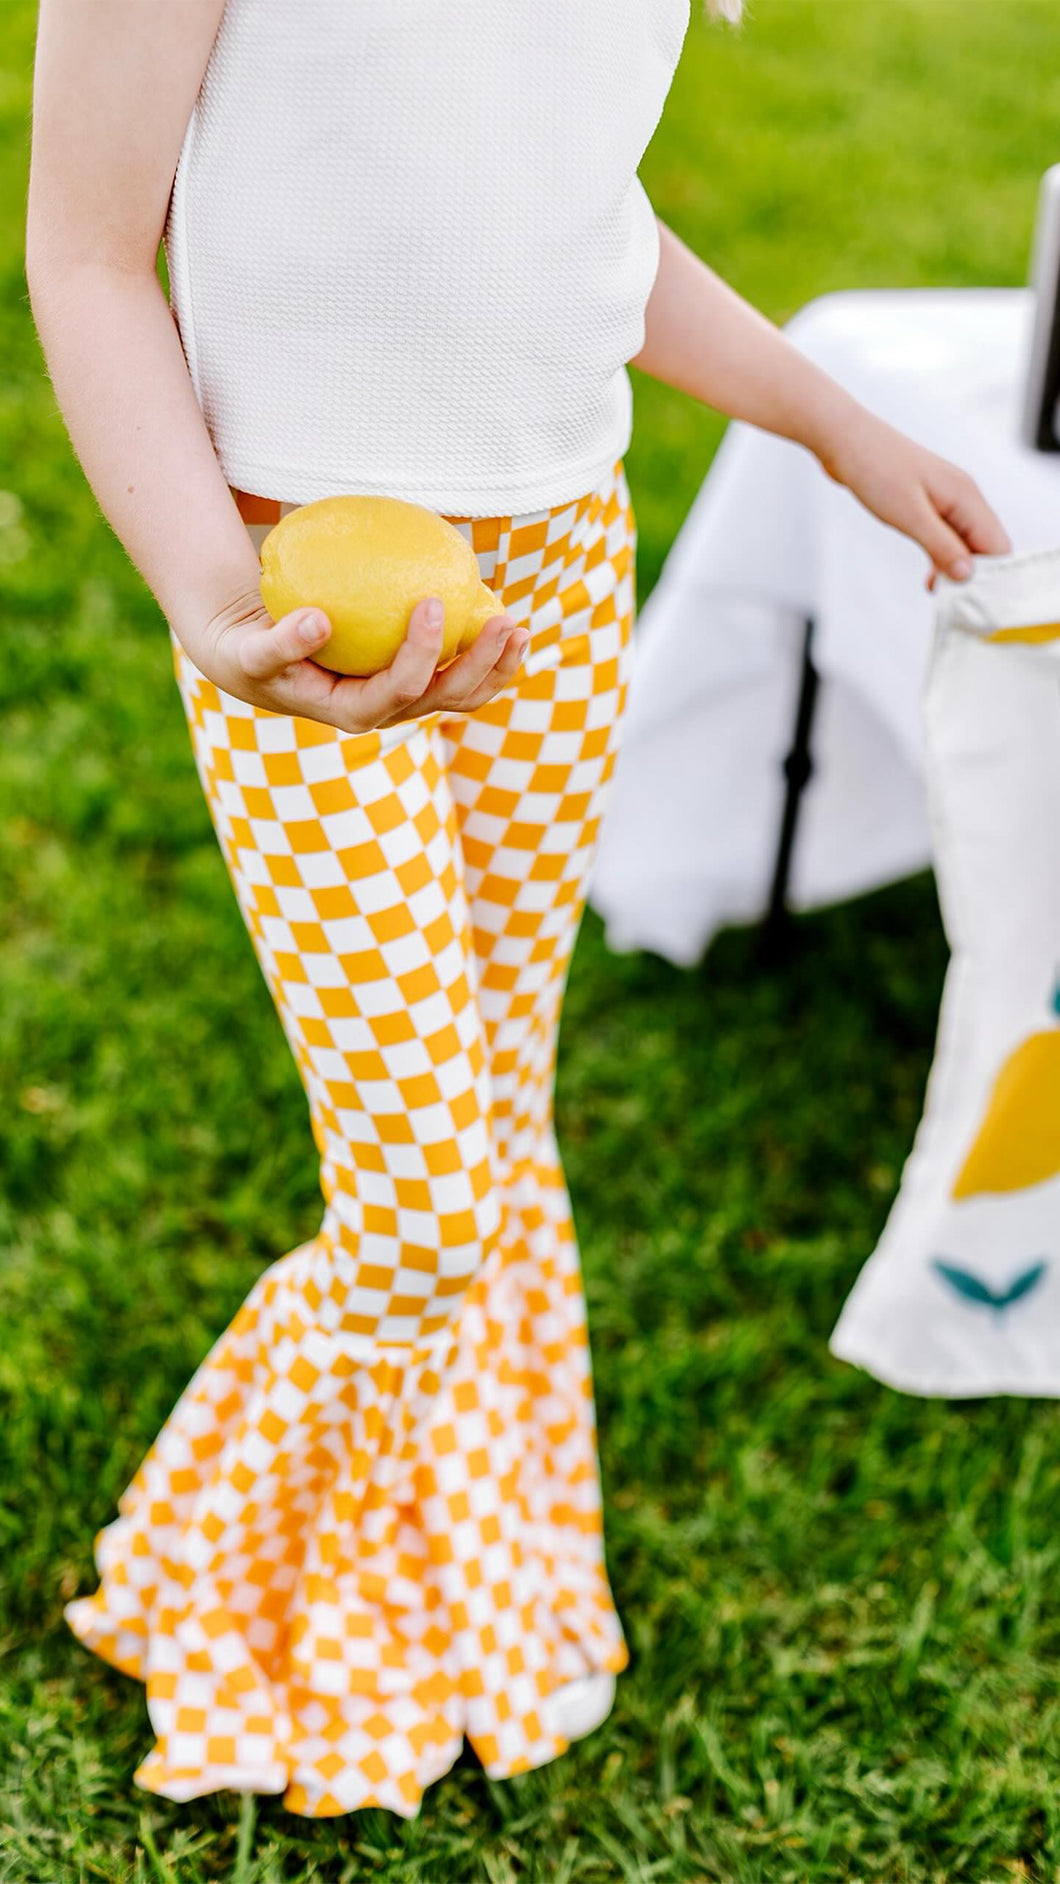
1039, 633
367, 561
1018, 1142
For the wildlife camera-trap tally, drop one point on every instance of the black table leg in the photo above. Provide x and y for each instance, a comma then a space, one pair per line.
798, 767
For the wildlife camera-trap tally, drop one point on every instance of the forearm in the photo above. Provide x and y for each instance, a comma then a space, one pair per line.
122, 385
703, 338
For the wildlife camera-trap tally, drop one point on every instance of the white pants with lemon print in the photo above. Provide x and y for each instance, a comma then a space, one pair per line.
372, 1522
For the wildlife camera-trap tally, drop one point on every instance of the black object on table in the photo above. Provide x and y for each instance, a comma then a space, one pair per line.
798, 769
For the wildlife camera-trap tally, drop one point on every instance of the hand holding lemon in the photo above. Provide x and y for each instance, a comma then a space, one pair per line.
370, 611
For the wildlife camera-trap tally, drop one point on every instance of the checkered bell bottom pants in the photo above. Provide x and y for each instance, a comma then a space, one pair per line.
372, 1523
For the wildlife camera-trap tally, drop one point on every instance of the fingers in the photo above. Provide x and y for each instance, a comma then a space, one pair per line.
390, 694
278, 658
265, 652
947, 550
464, 676
957, 520
967, 511
488, 664
502, 672
275, 658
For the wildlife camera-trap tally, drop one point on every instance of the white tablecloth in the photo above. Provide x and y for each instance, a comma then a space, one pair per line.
689, 839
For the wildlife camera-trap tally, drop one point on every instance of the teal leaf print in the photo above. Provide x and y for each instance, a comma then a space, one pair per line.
974, 1289
1025, 1283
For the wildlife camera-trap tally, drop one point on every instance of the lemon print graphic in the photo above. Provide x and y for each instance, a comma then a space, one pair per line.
1018, 1142
367, 561
1036, 635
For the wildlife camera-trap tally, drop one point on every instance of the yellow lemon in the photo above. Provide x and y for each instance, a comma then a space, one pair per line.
367, 561
1018, 1142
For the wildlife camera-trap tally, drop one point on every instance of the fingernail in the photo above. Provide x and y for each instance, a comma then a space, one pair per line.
434, 613
521, 656
961, 569
311, 627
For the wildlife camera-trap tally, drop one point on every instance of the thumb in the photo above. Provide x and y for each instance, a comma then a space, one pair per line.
267, 648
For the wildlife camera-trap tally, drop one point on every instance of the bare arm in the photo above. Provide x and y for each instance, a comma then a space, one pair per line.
114, 86
113, 90
703, 338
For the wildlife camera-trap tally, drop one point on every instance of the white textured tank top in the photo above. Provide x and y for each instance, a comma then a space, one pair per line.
408, 249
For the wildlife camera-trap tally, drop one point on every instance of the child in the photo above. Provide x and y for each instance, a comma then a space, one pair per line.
409, 254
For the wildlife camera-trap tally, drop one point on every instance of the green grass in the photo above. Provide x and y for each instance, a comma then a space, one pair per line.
841, 1602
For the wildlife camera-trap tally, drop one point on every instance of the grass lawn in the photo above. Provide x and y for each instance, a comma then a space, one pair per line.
841, 1603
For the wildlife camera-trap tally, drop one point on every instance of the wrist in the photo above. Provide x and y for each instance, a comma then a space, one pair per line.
201, 622
834, 426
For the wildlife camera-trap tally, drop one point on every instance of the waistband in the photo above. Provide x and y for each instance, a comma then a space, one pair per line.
265, 511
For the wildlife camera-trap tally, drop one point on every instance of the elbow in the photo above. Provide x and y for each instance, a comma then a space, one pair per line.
58, 251
40, 277
43, 239
42, 259
34, 261
57, 276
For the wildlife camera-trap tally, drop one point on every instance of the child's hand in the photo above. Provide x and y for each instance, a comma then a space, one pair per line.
270, 664
926, 497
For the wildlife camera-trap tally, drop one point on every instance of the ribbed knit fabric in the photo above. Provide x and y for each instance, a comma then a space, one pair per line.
409, 252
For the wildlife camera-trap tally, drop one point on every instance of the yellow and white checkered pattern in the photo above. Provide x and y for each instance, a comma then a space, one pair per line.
372, 1523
